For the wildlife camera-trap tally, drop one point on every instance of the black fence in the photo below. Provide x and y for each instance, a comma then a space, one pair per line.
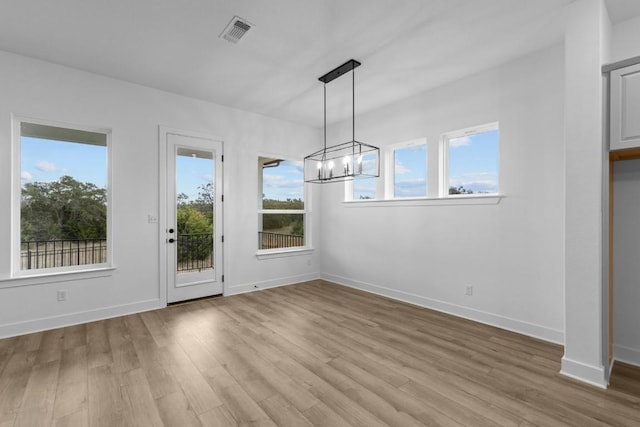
195, 252
277, 240
62, 253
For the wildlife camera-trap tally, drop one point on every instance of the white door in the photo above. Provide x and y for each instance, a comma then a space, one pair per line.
193, 227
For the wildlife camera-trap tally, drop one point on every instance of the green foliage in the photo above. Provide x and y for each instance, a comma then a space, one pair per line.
204, 202
459, 190
298, 228
273, 222
194, 220
292, 221
288, 204
191, 221
63, 209
195, 234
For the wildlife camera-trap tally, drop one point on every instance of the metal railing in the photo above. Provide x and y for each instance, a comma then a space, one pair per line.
268, 240
195, 252
62, 253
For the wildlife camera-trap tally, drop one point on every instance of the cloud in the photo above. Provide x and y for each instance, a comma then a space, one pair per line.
411, 188
26, 176
479, 175
401, 169
45, 166
280, 181
206, 177
298, 167
463, 141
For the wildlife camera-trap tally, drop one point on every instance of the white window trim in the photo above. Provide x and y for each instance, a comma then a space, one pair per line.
16, 196
471, 199
390, 168
443, 198
306, 212
57, 277
282, 253
443, 190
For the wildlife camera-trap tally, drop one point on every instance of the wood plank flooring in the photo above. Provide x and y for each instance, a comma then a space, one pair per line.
312, 354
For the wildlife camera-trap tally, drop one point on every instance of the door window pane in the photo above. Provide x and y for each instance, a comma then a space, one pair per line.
195, 172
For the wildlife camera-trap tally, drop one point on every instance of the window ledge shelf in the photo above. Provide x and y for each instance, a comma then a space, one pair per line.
282, 253
55, 277
440, 201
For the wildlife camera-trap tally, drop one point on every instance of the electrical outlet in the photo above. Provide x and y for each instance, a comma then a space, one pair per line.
62, 295
468, 290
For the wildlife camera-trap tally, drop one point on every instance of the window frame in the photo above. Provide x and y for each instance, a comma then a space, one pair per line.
390, 170
306, 213
443, 149
16, 200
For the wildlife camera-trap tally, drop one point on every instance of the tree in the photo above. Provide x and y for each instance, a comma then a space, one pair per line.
204, 202
288, 204
63, 209
459, 190
298, 228
195, 232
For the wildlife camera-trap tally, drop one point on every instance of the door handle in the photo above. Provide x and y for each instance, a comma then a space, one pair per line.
171, 230
171, 240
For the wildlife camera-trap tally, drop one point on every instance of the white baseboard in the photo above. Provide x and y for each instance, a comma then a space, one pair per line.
626, 355
594, 375
502, 322
273, 283
46, 323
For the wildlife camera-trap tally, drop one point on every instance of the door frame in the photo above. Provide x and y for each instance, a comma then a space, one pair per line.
163, 245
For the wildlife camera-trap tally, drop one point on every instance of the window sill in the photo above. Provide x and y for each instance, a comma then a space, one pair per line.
440, 201
282, 253
54, 277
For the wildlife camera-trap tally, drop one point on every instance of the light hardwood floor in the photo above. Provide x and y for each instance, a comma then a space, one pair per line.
313, 354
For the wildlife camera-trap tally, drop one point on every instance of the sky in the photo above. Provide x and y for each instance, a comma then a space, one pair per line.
193, 172
411, 171
473, 162
284, 182
44, 160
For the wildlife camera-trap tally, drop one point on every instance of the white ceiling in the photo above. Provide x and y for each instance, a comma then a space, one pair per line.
405, 46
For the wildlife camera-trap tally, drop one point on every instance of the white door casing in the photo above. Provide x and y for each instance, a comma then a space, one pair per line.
199, 271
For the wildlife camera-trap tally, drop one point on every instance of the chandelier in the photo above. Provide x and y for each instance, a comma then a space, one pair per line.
350, 159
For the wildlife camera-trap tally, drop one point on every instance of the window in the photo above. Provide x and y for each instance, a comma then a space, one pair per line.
364, 188
62, 216
408, 170
281, 212
471, 161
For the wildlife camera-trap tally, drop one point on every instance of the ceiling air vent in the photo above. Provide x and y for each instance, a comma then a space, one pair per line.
236, 30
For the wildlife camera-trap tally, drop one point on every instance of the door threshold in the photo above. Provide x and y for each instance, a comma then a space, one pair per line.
170, 304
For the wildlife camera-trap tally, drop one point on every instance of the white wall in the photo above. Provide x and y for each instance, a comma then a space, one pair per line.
626, 40
586, 42
512, 252
626, 263
46, 91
